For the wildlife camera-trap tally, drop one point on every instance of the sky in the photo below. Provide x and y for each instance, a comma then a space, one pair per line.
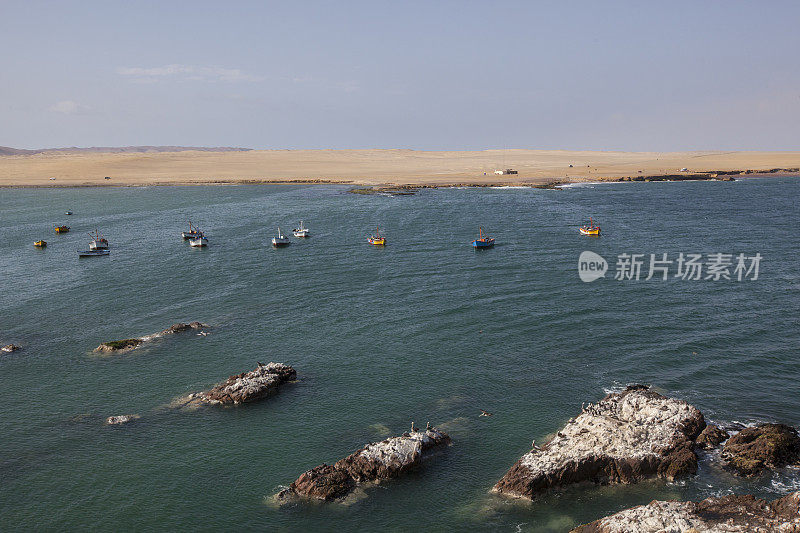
430, 75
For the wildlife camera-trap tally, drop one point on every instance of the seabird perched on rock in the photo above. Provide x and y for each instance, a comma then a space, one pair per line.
485, 413
533, 444
260, 364
413, 429
428, 426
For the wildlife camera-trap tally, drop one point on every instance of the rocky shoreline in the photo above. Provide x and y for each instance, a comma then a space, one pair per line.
126, 345
728, 514
375, 462
242, 388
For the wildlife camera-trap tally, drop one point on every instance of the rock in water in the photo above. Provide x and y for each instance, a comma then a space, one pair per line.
127, 345
10, 348
253, 385
754, 449
244, 387
120, 419
375, 462
729, 514
180, 326
626, 437
711, 437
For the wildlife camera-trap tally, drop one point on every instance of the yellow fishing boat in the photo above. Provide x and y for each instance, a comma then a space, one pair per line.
62, 229
591, 229
40, 244
377, 239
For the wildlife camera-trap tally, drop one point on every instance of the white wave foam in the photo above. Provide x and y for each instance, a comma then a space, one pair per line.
785, 481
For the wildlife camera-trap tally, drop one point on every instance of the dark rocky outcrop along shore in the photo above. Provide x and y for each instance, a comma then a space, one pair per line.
624, 438
375, 462
711, 437
242, 388
126, 345
754, 449
728, 514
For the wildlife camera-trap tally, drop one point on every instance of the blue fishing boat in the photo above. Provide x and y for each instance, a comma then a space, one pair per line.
483, 241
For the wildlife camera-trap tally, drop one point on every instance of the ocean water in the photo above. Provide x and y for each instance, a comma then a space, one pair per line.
426, 329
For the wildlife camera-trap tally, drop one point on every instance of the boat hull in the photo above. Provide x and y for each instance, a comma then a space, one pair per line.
198, 243
589, 231
40, 244
92, 253
486, 243
280, 243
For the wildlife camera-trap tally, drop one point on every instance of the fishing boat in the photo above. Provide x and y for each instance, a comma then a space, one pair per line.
280, 239
62, 229
98, 242
199, 241
591, 229
193, 233
301, 231
68, 213
377, 239
40, 244
482, 241
95, 246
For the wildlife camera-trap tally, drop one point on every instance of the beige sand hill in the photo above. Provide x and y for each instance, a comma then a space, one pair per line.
367, 166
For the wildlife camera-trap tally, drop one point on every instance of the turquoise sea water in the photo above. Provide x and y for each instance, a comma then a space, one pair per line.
426, 329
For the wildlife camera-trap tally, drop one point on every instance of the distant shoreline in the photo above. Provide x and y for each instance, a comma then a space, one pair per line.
368, 188
381, 168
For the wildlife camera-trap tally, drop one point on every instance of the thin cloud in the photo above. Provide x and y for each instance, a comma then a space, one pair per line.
186, 73
68, 107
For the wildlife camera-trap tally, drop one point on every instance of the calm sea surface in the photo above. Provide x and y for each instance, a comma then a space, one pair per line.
426, 329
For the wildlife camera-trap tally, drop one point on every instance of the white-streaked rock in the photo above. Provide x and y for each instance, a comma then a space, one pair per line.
728, 514
626, 437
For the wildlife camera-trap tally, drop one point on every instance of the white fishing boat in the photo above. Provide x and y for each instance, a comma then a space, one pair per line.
193, 233
280, 239
98, 246
301, 231
98, 242
199, 241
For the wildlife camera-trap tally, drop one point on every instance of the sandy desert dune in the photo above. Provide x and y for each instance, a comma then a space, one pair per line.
369, 167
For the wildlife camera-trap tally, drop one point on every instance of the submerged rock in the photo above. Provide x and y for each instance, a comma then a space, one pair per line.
711, 437
10, 348
126, 345
242, 388
728, 514
375, 462
121, 419
626, 437
754, 449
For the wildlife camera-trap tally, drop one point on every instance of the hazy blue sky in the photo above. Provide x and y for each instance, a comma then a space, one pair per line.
427, 75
